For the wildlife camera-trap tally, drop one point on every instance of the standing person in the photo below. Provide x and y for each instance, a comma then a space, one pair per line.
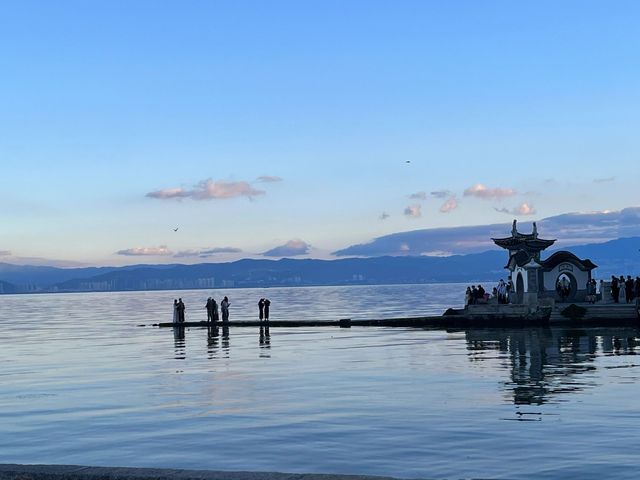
614, 288
267, 303
224, 306
467, 296
214, 310
628, 285
480, 294
622, 291
209, 310
175, 310
261, 309
502, 290
181, 309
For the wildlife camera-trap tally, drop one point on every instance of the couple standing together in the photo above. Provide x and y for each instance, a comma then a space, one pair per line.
178, 311
263, 307
212, 310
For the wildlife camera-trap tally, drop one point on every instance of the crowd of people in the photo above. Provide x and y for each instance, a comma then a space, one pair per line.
213, 314
477, 294
625, 290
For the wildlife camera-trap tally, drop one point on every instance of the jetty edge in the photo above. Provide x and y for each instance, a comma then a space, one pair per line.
517, 315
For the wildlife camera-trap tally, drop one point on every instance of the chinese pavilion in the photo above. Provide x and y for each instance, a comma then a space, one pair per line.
534, 278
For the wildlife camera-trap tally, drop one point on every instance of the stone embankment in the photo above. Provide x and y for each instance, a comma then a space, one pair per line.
76, 472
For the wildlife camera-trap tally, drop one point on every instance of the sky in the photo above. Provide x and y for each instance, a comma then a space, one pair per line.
286, 128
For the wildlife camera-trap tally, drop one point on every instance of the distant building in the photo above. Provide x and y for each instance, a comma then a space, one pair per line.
534, 278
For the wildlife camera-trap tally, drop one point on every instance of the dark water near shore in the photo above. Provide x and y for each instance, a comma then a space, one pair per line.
80, 383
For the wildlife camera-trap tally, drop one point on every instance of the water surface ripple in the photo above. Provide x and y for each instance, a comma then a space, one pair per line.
81, 383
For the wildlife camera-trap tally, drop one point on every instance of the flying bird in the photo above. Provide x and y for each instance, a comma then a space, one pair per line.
407, 161
176, 229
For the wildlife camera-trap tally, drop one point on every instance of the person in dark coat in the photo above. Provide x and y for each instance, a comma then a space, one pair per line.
267, 303
181, 309
209, 310
214, 310
615, 290
628, 285
261, 309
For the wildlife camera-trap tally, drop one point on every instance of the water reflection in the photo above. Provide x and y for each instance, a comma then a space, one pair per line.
225, 340
544, 363
179, 344
265, 341
213, 341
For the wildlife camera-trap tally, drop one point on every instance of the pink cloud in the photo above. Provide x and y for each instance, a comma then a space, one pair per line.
450, 205
413, 211
169, 193
290, 249
522, 209
481, 191
209, 190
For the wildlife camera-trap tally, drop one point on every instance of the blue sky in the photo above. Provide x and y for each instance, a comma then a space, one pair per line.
115, 115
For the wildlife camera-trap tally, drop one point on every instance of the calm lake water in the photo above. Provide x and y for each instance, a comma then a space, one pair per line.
82, 383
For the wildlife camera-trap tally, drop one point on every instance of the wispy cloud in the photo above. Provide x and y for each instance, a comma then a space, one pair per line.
209, 190
437, 253
384, 216
418, 196
522, 209
48, 262
269, 178
5, 253
481, 191
604, 180
441, 194
450, 205
206, 252
162, 250
413, 211
290, 249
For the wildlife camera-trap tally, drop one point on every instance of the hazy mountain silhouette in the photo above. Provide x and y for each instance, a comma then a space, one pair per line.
620, 257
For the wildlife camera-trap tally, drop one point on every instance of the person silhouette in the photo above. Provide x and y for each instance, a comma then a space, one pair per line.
209, 308
261, 309
214, 311
224, 306
181, 309
267, 304
175, 310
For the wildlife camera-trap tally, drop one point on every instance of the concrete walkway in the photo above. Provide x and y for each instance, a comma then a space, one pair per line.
76, 472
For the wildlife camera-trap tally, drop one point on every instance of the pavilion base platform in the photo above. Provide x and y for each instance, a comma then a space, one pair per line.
602, 314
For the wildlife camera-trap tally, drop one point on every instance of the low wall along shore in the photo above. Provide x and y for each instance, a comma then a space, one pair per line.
76, 472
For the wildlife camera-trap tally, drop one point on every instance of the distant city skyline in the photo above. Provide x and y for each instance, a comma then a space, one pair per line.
166, 132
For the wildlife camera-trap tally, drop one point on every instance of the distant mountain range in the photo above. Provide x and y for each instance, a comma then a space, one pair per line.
618, 257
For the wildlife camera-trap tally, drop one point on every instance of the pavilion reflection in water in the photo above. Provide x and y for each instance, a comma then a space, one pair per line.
546, 362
